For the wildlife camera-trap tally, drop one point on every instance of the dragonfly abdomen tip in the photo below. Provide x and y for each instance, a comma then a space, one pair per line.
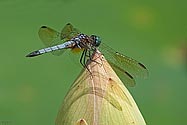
35, 53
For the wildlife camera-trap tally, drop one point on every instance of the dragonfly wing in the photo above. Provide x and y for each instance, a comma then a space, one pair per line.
69, 32
50, 37
124, 75
124, 64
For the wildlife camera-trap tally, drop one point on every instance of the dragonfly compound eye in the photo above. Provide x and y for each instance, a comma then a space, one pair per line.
96, 39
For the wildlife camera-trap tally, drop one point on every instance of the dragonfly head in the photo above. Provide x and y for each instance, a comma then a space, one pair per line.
96, 40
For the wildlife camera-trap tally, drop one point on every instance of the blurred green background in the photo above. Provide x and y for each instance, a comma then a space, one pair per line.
153, 32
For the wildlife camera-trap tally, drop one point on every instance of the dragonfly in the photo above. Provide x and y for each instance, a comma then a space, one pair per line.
71, 38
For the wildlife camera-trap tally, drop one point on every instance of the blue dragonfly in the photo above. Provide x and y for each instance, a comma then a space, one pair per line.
71, 38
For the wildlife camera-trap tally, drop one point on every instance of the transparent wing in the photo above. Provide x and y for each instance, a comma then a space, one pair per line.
51, 37
123, 64
124, 75
69, 32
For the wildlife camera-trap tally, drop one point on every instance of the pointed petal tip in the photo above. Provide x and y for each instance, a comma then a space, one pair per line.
81, 122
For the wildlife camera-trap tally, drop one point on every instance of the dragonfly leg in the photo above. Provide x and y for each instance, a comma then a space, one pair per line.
81, 59
84, 57
87, 56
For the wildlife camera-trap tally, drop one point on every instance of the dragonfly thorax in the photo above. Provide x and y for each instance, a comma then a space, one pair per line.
86, 42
